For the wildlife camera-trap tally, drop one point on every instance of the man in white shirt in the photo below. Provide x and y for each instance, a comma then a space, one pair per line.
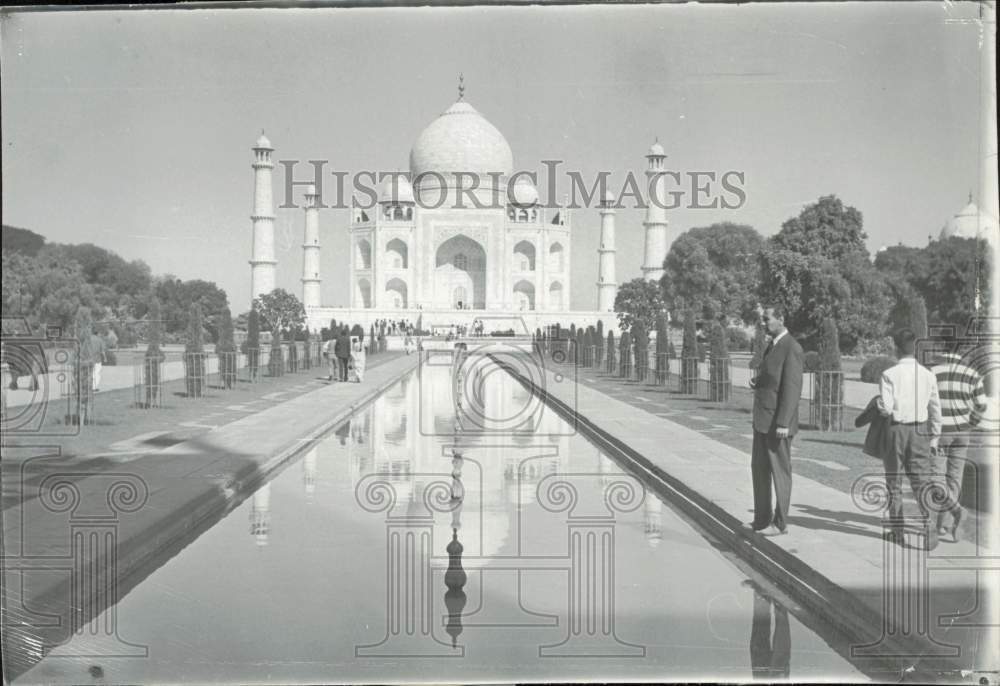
908, 395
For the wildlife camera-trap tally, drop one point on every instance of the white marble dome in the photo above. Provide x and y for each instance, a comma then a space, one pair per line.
970, 223
263, 142
461, 140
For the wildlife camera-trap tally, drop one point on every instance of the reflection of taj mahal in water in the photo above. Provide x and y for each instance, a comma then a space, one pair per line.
406, 436
461, 235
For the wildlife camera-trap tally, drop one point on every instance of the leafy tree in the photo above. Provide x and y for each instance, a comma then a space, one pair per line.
714, 270
638, 300
47, 289
21, 240
83, 374
280, 311
226, 350
720, 383
817, 266
689, 355
176, 297
293, 350
106, 268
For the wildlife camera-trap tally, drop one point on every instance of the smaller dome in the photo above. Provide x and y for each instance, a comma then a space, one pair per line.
263, 142
396, 189
524, 192
656, 150
310, 189
970, 222
609, 198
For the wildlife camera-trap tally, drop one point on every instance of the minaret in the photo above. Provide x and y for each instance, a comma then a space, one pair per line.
310, 251
656, 216
607, 287
262, 263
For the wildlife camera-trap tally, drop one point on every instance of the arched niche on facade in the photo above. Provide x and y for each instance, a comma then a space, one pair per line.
556, 295
397, 254
397, 293
524, 256
524, 295
362, 254
556, 257
363, 293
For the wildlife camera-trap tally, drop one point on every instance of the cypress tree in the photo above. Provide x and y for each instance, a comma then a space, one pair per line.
253, 342
194, 352
293, 350
307, 347
226, 350
918, 316
610, 351
689, 355
830, 386
721, 384
641, 342
153, 357
662, 350
624, 354
83, 374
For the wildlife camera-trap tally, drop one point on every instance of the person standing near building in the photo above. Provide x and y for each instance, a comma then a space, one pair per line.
331, 359
342, 349
908, 395
963, 401
777, 386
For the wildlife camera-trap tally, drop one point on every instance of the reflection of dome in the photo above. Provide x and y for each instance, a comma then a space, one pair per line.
461, 140
396, 189
970, 222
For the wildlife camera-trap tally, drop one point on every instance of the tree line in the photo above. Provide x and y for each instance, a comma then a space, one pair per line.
818, 267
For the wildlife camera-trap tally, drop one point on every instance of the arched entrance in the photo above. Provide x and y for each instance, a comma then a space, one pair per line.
396, 293
460, 274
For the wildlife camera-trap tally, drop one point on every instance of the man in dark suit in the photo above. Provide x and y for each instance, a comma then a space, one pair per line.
777, 387
342, 349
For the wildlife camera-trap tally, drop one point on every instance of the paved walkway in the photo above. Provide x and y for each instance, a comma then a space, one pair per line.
150, 505
834, 558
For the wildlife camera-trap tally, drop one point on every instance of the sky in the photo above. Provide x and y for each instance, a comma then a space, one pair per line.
133, 129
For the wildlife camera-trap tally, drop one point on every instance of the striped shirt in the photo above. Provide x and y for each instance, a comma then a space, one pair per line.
963, 396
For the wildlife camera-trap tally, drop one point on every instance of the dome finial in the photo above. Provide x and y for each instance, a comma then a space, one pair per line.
461, 86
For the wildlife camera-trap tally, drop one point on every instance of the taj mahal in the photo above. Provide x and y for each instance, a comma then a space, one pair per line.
457, 239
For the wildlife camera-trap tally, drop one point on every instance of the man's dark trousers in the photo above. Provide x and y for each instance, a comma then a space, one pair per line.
771, 461
343, 367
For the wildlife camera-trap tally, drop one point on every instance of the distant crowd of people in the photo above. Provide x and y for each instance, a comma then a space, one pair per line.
398, 327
